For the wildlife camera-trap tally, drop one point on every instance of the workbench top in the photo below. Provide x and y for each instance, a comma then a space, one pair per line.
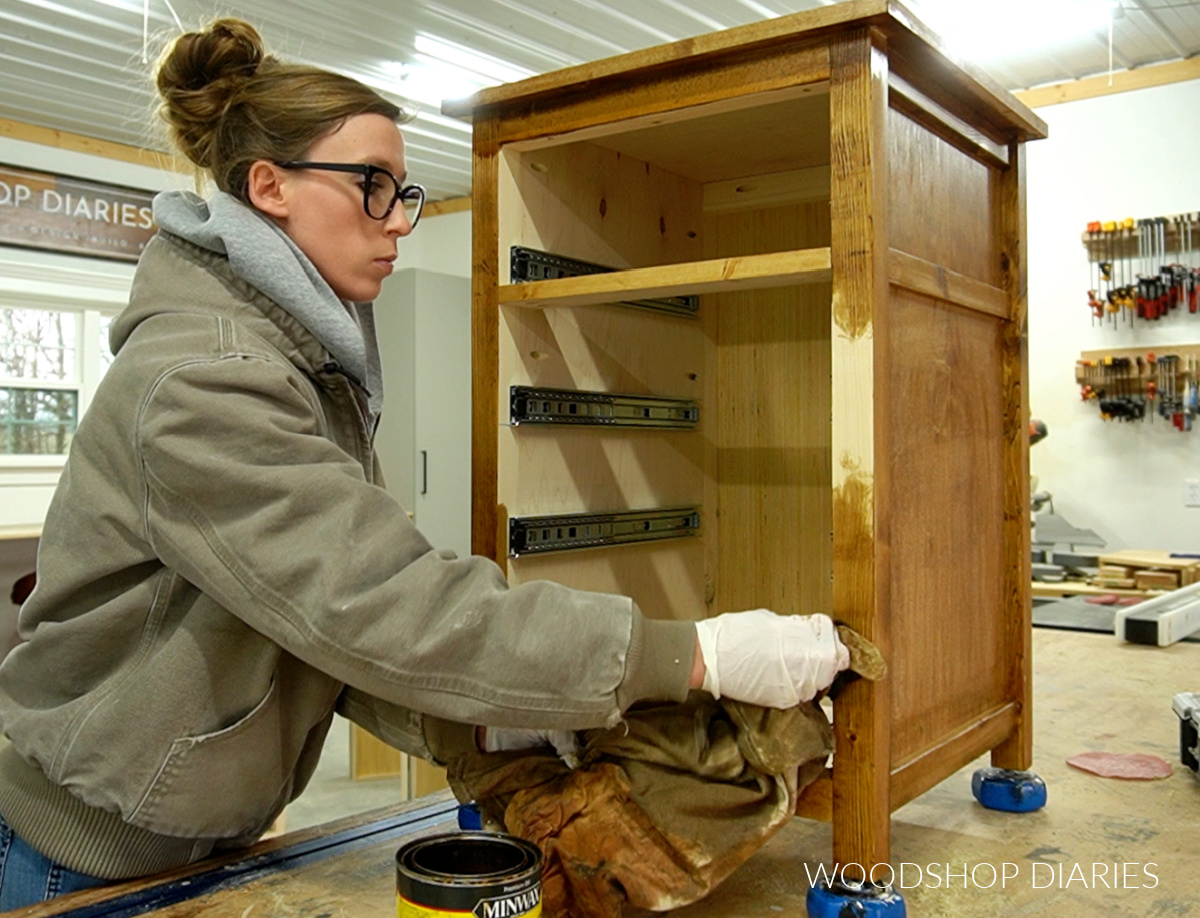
344, 868
1091, 692
1163, 560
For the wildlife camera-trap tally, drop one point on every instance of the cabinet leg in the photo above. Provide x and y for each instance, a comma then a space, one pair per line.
1016, 752
861, 784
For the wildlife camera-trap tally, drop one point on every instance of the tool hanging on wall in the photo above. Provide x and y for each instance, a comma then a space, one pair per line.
1142, 269
1191, 273
1125, 297
1099, 273
1112, 295
1132, 385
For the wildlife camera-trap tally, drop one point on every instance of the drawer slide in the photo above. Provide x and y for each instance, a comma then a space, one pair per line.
534, 534
528, 405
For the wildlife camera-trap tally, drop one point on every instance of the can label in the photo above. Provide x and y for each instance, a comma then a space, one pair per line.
481, 874
526, 903
522, 905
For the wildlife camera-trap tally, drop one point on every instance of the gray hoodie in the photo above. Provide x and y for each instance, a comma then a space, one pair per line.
262, 254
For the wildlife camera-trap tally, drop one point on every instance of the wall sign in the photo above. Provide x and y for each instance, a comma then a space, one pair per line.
43, 210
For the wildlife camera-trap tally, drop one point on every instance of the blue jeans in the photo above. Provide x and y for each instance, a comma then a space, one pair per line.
27, 877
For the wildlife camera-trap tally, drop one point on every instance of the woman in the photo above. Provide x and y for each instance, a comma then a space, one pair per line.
220, 569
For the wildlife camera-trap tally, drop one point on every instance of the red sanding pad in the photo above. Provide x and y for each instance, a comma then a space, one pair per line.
1135, 765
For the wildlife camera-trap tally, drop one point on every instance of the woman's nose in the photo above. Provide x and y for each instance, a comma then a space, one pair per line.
397, 222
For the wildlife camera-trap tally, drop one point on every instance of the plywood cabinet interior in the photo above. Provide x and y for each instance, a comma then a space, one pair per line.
848, 206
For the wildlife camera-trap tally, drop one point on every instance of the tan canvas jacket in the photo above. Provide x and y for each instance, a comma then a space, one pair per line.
221, 568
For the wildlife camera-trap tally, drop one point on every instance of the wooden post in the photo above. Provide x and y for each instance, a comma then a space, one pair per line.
859, 341
486, 539
1016, 752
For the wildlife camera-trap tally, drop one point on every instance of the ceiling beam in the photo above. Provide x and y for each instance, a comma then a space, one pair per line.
64, 140
447, 206
1103, 85
77, 143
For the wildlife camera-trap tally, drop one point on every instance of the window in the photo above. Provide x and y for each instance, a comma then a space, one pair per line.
54, 315
51, 361
53, 354
39, 406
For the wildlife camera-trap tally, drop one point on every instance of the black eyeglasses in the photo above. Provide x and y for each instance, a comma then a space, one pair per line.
381, 190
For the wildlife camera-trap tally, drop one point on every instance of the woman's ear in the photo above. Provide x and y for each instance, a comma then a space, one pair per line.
265, 187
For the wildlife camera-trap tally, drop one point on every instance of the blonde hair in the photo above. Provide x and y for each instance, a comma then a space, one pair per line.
228, 103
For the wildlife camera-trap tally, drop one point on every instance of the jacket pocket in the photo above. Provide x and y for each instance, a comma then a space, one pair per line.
222, 784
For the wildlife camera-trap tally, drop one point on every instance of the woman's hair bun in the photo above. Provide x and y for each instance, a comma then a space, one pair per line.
228, 104
200, 76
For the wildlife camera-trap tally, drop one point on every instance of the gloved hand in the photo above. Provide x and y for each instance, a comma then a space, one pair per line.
565, 742
773, 660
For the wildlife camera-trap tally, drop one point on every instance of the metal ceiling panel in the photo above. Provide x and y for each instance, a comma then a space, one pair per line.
84, 66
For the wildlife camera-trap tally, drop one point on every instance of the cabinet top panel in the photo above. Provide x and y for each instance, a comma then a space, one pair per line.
788, 134
913, 51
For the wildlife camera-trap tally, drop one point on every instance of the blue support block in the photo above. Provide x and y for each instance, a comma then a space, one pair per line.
469, 817
1007, 790
845, 901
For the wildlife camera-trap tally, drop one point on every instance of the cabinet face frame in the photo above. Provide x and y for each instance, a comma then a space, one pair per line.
928, 263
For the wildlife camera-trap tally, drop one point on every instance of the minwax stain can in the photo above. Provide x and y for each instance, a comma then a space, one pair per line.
485, 874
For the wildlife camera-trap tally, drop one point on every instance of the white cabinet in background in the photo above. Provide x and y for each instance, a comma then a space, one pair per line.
423, 320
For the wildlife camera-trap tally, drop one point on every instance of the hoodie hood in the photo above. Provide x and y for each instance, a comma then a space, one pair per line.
266, 258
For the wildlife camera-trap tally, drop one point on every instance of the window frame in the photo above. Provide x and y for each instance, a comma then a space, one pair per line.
50, 285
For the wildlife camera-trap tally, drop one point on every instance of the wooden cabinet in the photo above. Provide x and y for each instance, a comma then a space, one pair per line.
847, 206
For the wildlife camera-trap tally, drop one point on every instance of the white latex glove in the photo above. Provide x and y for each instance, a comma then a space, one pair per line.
565, 742
773, 660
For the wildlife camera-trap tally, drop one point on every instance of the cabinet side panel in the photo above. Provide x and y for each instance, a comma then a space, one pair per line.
597, 205
947, 546
582, 201
666, 580
607, 347
600, 471
772, 434
555, 469
941, 202
952, 555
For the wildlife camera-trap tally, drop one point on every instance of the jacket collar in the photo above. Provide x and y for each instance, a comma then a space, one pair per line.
266, 258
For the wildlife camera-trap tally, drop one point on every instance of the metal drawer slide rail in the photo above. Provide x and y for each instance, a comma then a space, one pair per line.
529, 535
532, 265
569, 406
